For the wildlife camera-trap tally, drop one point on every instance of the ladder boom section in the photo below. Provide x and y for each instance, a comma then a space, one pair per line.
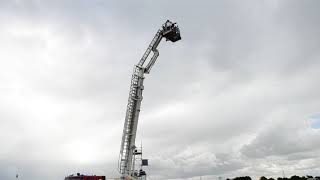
131, 121
154, 43
126, 162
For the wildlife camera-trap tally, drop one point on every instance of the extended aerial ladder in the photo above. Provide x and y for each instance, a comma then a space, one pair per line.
128, 149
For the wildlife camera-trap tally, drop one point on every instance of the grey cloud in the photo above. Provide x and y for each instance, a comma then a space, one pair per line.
225, 93
284, 140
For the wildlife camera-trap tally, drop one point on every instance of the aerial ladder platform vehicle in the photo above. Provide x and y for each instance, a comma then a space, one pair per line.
128, 151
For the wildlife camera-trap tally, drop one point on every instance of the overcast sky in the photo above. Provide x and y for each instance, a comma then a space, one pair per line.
238, 95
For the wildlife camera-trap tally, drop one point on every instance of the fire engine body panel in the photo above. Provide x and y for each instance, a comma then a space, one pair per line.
128, 149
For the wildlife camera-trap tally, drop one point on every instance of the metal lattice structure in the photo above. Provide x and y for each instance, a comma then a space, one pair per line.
171, 32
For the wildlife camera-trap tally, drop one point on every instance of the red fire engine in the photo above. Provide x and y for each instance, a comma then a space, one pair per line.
84, 177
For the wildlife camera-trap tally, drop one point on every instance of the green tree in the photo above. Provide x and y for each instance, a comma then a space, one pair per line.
295, 177
242, 178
